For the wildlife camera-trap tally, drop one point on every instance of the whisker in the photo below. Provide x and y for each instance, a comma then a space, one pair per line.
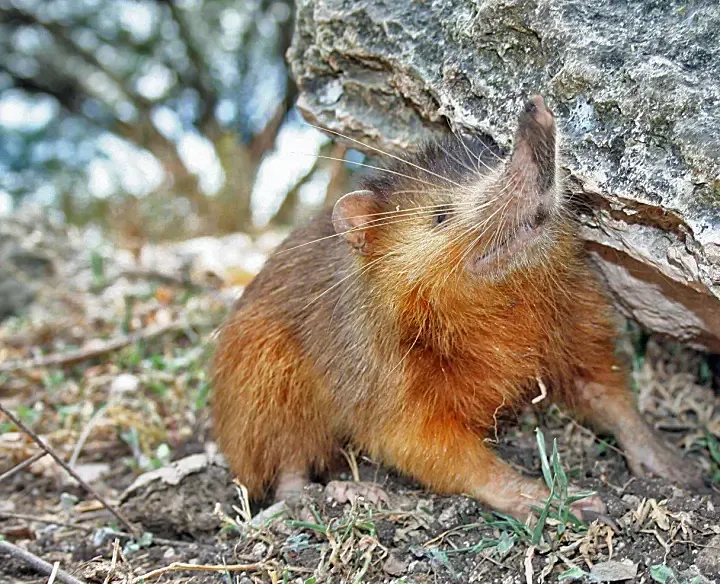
484, 226
378, 168
382, 222
456, 159
412, 346
475, 226
353, 273
477, 157
471, 156
428, 208
386, 154
472, 245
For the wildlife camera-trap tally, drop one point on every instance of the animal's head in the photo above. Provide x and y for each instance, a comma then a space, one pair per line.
459, 213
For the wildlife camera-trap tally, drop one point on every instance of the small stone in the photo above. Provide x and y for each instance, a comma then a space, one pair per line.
612, 571
91, 471
269, 514
708, 559
259, 550
633, 501
448, 517
394, 566
7, 506
125, 383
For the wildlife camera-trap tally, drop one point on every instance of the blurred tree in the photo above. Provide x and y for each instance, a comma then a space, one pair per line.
130, 98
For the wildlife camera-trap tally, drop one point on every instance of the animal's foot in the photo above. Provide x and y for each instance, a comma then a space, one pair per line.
589, 508
290, 487
291, 491
348, 491
648, 455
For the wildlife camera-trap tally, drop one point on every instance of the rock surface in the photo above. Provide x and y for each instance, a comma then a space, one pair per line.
635, 87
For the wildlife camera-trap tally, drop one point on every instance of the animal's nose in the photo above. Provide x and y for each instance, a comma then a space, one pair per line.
540, 112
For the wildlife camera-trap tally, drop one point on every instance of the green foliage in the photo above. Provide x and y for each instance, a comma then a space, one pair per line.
97, 268
65, 411
29, 415
559, 502
53, 380
107, 91
132, 546
662, 574
705, 374
713, 447
572, 574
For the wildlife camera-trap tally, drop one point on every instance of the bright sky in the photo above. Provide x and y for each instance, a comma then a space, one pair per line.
5, 203
19, 113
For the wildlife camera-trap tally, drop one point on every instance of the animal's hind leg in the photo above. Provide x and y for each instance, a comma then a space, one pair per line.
609, 406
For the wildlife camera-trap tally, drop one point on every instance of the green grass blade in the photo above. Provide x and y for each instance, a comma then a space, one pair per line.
544, 463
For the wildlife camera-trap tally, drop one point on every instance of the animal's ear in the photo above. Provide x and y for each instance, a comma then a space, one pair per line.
353, 217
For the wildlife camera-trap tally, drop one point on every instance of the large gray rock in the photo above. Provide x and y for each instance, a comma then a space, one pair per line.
634, 85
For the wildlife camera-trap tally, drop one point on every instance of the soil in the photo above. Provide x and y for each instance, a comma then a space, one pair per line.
425, 539
137, 409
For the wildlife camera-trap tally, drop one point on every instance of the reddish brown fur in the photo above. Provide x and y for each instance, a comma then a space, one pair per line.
400, 348
260, 434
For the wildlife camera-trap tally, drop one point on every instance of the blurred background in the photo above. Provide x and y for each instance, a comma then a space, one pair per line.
157, 120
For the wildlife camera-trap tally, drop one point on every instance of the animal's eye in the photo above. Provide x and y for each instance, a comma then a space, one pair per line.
439, 218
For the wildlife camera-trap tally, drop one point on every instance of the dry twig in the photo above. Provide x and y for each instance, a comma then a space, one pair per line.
113, 562
84, 435
53, 575
24, 464
83, 354
38, 564
181, 566
543, 391
47, 520
529, 572
70, 471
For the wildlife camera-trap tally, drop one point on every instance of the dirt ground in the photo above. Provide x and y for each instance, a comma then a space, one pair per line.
121, 412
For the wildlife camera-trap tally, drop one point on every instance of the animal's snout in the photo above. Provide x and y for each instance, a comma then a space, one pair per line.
537, 111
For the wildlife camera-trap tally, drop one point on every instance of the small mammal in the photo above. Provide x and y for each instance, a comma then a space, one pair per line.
445, 290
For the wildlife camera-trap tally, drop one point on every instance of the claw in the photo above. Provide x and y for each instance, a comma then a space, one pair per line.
347, 491
589, 508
